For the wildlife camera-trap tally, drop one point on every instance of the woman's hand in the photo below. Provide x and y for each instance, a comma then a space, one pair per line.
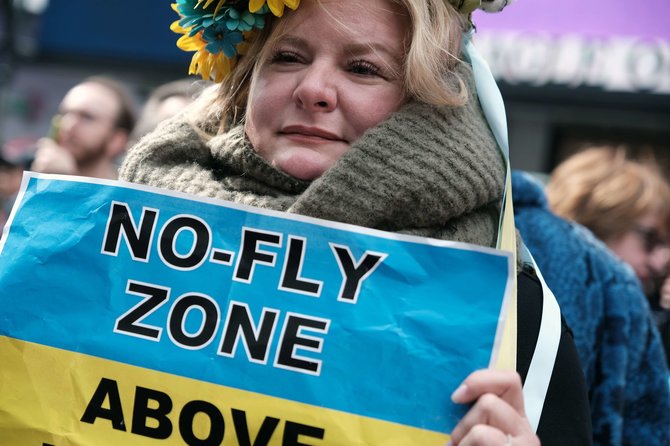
497, 417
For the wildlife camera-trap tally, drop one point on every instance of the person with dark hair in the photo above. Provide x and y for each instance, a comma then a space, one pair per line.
91, 130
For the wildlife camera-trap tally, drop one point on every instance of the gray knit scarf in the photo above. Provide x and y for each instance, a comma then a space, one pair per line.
433, 171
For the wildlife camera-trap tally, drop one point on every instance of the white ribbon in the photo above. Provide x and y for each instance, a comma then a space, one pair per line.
544, 357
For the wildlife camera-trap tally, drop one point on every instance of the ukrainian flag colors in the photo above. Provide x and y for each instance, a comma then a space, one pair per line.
131, 315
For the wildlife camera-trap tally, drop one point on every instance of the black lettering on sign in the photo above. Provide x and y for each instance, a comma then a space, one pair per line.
197, 253
291, 275
242, 429
179, 312
255, 339
354, 273
251, 254
292, 339
216, 423
130, 322
162, 406
153, 418
138, 239
107, 390
293, 432
221, 256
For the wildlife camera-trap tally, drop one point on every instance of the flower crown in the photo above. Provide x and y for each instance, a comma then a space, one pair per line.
220, 30
217, 30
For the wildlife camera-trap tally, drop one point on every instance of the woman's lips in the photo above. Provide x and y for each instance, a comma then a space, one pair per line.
309, 133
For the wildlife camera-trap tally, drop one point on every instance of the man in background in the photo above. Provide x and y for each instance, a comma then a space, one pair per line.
163, 102
90, 132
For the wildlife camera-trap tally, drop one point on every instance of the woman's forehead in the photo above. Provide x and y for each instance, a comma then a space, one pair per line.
348, 14
364, 22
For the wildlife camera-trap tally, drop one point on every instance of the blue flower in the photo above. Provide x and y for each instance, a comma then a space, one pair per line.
220, 38
195, 17
242, 20
192, 16
187, 9
214, 29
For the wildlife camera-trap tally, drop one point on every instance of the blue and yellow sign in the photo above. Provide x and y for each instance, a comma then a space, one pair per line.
132, 315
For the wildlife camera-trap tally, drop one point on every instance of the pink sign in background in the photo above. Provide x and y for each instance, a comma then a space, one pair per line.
645, 19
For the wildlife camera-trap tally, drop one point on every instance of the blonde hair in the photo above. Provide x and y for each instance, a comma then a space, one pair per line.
428, 70
604, 190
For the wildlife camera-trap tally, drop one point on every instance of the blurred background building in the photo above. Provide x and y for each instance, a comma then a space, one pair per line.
577, 72
572, 72
48, 46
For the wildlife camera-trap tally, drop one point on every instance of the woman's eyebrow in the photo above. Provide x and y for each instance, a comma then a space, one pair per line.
298, 42
387, 51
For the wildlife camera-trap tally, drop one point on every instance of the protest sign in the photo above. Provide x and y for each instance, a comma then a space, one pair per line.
132, 315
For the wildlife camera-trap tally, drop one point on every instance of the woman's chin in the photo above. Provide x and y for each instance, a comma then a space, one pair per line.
304, 167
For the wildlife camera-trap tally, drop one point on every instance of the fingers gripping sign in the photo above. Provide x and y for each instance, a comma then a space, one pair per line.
497, 415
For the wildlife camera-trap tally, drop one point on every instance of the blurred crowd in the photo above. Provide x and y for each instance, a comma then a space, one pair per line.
623, 202
97, 120
599, 230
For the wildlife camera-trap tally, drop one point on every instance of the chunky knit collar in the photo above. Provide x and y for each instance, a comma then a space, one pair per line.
427, 170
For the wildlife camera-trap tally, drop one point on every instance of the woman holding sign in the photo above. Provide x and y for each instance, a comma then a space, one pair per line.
362, 111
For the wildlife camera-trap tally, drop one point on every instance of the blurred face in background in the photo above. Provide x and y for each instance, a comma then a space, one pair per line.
86, 123
171, 106
645, 248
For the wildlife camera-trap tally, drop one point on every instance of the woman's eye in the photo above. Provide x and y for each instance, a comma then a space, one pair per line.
364, 68
285, 57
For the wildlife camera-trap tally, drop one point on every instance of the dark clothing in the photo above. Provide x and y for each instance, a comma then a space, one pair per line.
566, 415
662, 319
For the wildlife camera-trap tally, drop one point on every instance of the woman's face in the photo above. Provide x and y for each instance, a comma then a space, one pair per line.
324, 83
645, 248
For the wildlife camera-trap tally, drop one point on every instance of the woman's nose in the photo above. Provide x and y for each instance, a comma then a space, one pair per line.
316, 90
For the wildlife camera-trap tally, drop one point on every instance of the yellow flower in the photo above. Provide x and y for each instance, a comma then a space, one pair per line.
186, 43
207, 65
198, 16
210, 66
276, 6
